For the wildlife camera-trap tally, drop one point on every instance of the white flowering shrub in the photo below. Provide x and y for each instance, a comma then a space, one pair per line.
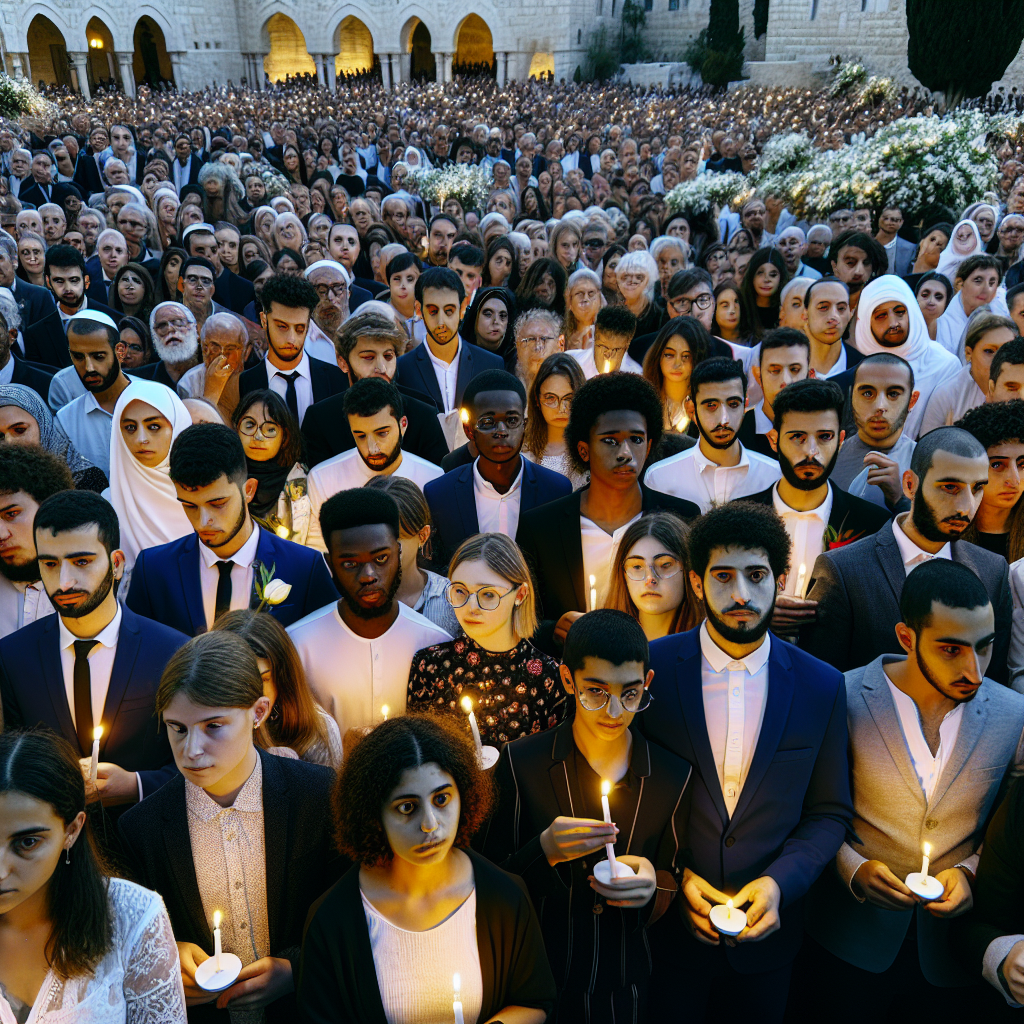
18, 98
707, 190
848, 74
469, 184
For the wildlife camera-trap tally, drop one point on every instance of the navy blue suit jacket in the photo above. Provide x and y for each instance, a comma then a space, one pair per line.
33, 692
453, 503
97, 290
795, 806
166, 584
415, 370
33, 302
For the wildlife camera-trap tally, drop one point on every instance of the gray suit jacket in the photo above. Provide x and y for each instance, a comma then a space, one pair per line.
892, 820
858, 590
901, 259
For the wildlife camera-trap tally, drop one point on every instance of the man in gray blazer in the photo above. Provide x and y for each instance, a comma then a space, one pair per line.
931, 743
858, 586
900, 252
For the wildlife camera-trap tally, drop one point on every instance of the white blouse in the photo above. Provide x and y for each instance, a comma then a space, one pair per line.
415, 970
137, 982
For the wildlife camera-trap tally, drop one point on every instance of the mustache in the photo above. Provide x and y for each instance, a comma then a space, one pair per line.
809, 464
752, 608
70, 593
958, 518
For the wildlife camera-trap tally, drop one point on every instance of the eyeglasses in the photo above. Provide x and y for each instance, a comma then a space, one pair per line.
487, 598
251, 428
552, 401
166, 325
633, 699
486, 424
335, 291
683, 306
536, 344
664, 567
198, 282
593, 243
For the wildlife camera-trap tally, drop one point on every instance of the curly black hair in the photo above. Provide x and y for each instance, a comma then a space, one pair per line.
372, 769
371, 394
740, 524
290, 292
995, 422
611, 392
37, 472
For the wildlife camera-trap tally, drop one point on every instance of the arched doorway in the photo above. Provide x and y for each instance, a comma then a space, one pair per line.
354, 47
288, 54
542, 65
102, 64
474, 45
422, 67
47, 53
151, 64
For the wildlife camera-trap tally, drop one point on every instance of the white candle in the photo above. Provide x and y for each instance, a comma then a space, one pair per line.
467, 706
925, 861
728, 920
216, 941
609, 848
593, 592
97, 734
384, 710
457, 1001
800, 578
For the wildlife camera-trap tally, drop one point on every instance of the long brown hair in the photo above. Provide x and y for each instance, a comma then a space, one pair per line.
692, 331
667, 529
559, 364
295, 721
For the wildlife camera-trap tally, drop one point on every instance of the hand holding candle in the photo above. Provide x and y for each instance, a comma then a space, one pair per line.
728, 920
97, 735
801, 581
921, 884
609, 848
219, 971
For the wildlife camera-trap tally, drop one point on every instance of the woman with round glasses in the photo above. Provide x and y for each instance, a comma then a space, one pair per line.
273, 450
547, 415
513, 686
650, 577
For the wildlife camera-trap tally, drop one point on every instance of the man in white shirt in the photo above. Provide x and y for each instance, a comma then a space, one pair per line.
719, 468
827, 305
613, 331
357, 652
782, 358
373, 408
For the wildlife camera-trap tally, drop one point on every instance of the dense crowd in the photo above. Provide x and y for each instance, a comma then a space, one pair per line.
495, 595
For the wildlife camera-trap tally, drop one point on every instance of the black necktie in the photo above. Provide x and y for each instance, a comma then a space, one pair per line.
222, 603
83, 695
291, 396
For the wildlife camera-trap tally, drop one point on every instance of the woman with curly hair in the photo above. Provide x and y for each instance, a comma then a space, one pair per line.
420, 914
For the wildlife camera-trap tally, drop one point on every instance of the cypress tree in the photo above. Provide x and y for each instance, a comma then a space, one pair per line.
724, 26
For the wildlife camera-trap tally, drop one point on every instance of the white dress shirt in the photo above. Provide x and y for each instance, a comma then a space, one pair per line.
598, 556
838, 367
181, 173
241, 575
319, 346
588, 363
351, 676
101, 664
911, 554
693, 476
303, 383
21, 604
735, 694
807, 532
497, 513
88, 425
447, 375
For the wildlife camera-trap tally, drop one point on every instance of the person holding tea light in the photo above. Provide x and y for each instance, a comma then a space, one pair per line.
548, 827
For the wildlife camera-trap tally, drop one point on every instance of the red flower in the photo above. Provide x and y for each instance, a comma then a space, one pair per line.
843, 541
473, 658
535, 666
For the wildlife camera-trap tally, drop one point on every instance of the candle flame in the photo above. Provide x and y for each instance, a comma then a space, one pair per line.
728, 904
216, 919
465, 415
803, 569
385, 711
927, 849
606, 788
97, 733
607, 366
593, 581
457, 982
467, 704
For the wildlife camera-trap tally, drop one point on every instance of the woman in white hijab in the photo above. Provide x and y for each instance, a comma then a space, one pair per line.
965, 241
147, 419
904, 334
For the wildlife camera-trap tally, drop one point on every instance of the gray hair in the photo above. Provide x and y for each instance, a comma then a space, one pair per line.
670, 242
9, 246
186, 312
50, 207
492, 219
532, 316
9, 309
820, 232
639, 262
110, 231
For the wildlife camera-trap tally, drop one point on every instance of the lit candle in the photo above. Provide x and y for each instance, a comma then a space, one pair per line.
606, 788
728, 920
607, 366
97, 734
800, 577
467, 706
385, 710
465, 415
457, 1001
216, 941
593, 592
925, 860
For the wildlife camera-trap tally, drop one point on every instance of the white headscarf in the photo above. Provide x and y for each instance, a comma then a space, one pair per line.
931, 363
143, 496
950, 258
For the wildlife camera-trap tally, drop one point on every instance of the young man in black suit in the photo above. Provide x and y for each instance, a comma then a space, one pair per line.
615, 422
230, 290
287, 308
782, 359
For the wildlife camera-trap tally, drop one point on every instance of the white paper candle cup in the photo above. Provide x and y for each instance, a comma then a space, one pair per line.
211, 980
488, 757
602, 871
728, 920
926, 887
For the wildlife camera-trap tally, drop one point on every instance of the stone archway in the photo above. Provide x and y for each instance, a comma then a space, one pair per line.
151, 64
354, 47
47, 53
422, 67
474, 44
288, 54
542, 65
102, 63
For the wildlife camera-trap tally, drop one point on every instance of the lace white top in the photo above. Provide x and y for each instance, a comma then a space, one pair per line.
415, 970
137, 982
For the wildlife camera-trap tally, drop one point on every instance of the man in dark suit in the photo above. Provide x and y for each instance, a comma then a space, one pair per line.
443, 357
491, 494
65, 275
42, 189
230, 290
615, 421
901, 252
858, 587
93, 664
111, 254
185, 166
224, 564
21, 372
367, 346
770, 799
288, 304
33, 302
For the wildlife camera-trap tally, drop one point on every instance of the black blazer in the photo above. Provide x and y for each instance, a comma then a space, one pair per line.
156, 372
58, 193
32, 377
46, 341
415, 370
33, 692
326, 378
338, 982
326, 431
551, 540
97, 289
33, 302
300, 857
851, 518
752, 440
462, 456
858, 590
87, 173
233, 291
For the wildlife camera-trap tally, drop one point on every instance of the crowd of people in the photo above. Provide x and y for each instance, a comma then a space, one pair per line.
468, 612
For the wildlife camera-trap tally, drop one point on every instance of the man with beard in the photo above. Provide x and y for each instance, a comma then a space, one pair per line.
28, 476
925, 726
300, 379
223, 565
764, 726
440, 235
331, 281
376, 418
858, 586
490, 494
225, 347
87, 420
102, 663
369, 633
719, 468
782, 359
175, 341
68, 280
817, 514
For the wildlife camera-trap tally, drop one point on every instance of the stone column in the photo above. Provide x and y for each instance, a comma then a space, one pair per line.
261, 83
404, 67
332, 71
502, 60
125, 60
318, 60
385, 71
80, 61
448, 59
177, 58
439, 67
16, 62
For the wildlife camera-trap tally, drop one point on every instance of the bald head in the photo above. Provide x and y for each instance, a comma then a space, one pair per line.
224, 338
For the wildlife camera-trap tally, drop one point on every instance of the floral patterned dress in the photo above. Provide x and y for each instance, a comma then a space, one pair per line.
515, 692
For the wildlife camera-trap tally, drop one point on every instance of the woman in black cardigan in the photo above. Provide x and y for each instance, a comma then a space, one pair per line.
408, 799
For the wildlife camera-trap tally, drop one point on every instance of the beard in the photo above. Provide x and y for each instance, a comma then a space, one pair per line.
107, 381
752, 633
391, 458
27, 573
240, 522
92, 601
927, 673
373, 613
789, 471
892, 339
924, 519
717, 445
328, 317
178, 352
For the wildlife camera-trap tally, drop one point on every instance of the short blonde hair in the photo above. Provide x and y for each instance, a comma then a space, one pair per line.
501, 554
